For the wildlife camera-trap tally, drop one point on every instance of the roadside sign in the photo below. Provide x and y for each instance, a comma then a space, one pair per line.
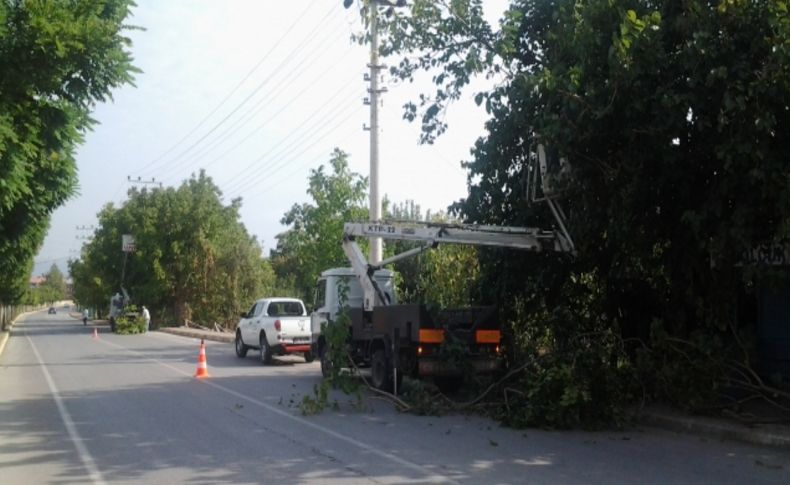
127, 243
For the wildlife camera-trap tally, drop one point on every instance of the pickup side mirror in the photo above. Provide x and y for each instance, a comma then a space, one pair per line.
243, 315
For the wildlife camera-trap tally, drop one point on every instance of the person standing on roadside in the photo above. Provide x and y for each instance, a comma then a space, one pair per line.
146, 318
85, 316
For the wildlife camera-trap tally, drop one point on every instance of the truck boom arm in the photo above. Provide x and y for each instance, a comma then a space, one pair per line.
431, 235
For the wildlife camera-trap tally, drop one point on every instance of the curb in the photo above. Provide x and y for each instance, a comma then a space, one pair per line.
5, 335
717, 429
3, 340
198, 334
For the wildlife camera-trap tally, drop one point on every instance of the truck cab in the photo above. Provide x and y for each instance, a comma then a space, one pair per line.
327, 304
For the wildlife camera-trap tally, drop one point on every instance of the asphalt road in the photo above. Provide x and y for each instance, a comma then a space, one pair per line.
126, 409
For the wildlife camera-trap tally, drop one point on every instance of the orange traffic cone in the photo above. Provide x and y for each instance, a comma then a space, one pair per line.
202, 369
95, 332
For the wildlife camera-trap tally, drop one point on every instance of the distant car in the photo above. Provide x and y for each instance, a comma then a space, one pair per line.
275, 326
52, 310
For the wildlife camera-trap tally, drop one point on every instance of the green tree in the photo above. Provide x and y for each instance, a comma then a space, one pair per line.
194, 259
445, 276
671, 114
407, 271
90, 291
312, 242
59, 59
53, 289
55, 286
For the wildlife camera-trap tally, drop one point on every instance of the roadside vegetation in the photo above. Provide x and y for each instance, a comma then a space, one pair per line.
194, 259
58, 61
671, 115
53, 289
130, 322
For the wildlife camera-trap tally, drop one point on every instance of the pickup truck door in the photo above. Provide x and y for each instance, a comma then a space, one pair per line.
247, 326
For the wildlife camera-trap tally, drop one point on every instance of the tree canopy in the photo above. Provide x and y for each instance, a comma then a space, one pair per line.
672, 116
53, 289
194, 259
311, 242
59, 59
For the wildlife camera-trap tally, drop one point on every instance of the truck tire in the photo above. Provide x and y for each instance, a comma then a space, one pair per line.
326, 362
241, 349
309, 357
266, 351
380, 371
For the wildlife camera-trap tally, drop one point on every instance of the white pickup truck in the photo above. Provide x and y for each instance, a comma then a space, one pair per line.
275, 326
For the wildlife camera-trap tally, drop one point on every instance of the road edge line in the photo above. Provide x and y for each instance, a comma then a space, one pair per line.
6, 334
85, 456
4, 340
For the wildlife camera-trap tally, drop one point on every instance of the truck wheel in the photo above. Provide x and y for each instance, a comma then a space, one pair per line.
241, 349
326, 362
309, 357
266, 351
380, 371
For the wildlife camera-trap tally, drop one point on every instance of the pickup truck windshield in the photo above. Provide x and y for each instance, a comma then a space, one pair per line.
285, 309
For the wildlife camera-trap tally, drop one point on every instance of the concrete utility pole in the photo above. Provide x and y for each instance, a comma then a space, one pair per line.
374, 90
376, 246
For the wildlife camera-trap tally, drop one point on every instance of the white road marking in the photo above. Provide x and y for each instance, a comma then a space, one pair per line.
430, 475
82, 450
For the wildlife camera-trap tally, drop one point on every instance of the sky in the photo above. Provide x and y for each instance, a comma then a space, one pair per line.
257, 93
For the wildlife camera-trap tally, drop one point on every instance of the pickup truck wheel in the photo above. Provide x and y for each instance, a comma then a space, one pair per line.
326, 362
241, 349
380, 371
309, 357
266, 351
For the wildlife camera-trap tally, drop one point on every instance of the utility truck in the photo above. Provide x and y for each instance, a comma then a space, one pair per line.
397, 340
118, 304
406, 339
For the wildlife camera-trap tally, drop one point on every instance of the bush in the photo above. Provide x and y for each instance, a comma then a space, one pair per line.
131, 322
589, 386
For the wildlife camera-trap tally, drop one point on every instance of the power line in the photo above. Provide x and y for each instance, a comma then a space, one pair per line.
357, 19
249, 96
243, 120
325, 111
345, 138
233, 91
255, 179
272, 94
261, 126
295, 136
